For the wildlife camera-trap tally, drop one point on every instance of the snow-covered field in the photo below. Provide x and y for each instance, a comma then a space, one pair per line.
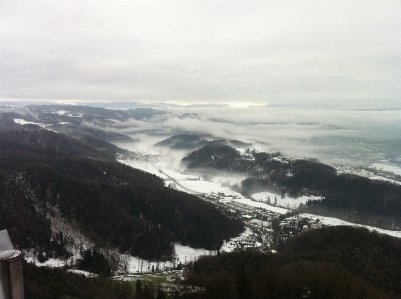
335, 222
374, 175
287, 202
207, 187
386, 167
183, 255
24, 122
263, 205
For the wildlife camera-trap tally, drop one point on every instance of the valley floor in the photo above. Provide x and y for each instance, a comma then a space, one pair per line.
216, 188
258, 233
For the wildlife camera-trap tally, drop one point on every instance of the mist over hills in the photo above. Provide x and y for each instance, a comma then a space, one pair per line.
80, 120
335, 137
201, 149
57, 164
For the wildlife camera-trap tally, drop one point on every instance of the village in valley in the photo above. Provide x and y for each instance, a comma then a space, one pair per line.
265, 229
269, 218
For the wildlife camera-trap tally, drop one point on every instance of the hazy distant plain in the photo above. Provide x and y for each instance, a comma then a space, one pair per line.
345, 137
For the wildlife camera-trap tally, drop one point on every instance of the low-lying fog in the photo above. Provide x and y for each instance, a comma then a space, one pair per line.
346, 137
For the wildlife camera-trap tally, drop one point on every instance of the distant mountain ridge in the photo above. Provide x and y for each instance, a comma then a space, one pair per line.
75, 120
41, 141
192, 141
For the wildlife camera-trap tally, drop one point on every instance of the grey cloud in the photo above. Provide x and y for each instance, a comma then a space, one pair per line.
295, 51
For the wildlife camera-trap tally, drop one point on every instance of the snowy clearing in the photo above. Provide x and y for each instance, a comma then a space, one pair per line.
335, 222
286, 202
81, 272
263, 205
183, 255
372, 175
207, 187
24, 122
386, 167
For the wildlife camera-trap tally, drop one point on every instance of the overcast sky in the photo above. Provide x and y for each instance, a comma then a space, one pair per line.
306, 52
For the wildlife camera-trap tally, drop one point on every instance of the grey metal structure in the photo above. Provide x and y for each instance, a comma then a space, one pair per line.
11, 282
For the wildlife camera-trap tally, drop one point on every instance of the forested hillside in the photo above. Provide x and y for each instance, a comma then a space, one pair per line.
183, 141
47, 283
188, 141
217, 156
293, 177
43, 173
333, 262
46, 143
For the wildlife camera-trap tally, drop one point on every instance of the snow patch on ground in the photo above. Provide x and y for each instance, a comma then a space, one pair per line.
74, 239
183, 255
335, 222
263, 205
205, 187
132, 265
186, 254
179, 176
372, 174
81, 272
232, 243
380, 178
24, 122
30, 257
286, 202
386, 167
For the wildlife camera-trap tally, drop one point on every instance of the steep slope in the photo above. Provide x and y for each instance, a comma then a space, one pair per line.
371, 255
333, 262
47, 143
43, 173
